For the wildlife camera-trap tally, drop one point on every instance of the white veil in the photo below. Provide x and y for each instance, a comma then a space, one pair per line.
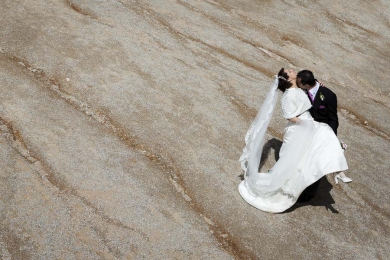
293, 159
254, 138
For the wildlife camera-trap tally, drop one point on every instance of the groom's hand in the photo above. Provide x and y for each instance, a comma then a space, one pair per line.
295, 120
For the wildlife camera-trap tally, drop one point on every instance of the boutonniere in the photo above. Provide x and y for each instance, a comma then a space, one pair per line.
322, 97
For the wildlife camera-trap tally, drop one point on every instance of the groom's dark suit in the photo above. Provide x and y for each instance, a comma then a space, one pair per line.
324, 109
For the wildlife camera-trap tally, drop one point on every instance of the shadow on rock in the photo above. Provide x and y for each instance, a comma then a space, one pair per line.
322, 198
274, 144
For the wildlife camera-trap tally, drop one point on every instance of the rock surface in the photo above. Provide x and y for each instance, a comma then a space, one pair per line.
121, 125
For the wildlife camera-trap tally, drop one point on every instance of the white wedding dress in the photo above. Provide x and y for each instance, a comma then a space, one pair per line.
310, 150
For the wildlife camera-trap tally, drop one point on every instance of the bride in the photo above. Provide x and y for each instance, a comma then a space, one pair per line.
310, 150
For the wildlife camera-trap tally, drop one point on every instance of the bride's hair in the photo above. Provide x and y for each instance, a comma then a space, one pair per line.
283, 84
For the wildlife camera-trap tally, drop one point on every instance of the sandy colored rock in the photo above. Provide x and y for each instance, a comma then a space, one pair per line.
121, 125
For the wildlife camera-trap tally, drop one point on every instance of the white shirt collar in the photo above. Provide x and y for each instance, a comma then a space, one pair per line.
314, 90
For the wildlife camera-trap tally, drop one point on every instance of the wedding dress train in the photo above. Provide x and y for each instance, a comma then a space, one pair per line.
322, 154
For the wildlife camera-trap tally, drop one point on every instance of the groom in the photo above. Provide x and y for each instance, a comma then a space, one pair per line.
324, 109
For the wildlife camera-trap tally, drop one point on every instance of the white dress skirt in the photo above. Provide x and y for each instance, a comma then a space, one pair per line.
310, 150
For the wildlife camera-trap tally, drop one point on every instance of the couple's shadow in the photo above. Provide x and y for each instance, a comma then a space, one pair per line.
323, 196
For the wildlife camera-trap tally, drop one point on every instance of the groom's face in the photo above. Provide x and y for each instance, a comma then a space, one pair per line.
300, 85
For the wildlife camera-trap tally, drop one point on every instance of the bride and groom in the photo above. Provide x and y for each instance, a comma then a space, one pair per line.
310, 148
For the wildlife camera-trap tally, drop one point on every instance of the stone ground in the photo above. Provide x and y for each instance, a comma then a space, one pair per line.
121, 125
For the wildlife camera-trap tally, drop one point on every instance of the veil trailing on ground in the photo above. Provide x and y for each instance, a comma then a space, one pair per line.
281, 176
254, 138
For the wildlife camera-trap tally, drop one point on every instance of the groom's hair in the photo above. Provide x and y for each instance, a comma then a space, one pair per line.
307, 77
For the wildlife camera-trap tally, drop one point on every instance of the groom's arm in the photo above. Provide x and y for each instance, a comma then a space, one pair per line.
332, 112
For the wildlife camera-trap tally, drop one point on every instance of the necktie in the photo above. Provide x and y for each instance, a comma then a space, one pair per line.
311, 96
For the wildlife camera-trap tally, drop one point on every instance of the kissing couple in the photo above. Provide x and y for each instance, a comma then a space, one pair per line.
310, 148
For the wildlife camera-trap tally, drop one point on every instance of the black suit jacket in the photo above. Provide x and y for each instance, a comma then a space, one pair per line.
324, 108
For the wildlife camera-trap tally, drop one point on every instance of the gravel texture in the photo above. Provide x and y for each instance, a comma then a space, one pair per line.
122, 122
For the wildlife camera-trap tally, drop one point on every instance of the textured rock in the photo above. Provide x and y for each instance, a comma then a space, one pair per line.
122, 122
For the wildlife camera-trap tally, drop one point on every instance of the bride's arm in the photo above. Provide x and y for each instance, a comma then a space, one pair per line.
290, 109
